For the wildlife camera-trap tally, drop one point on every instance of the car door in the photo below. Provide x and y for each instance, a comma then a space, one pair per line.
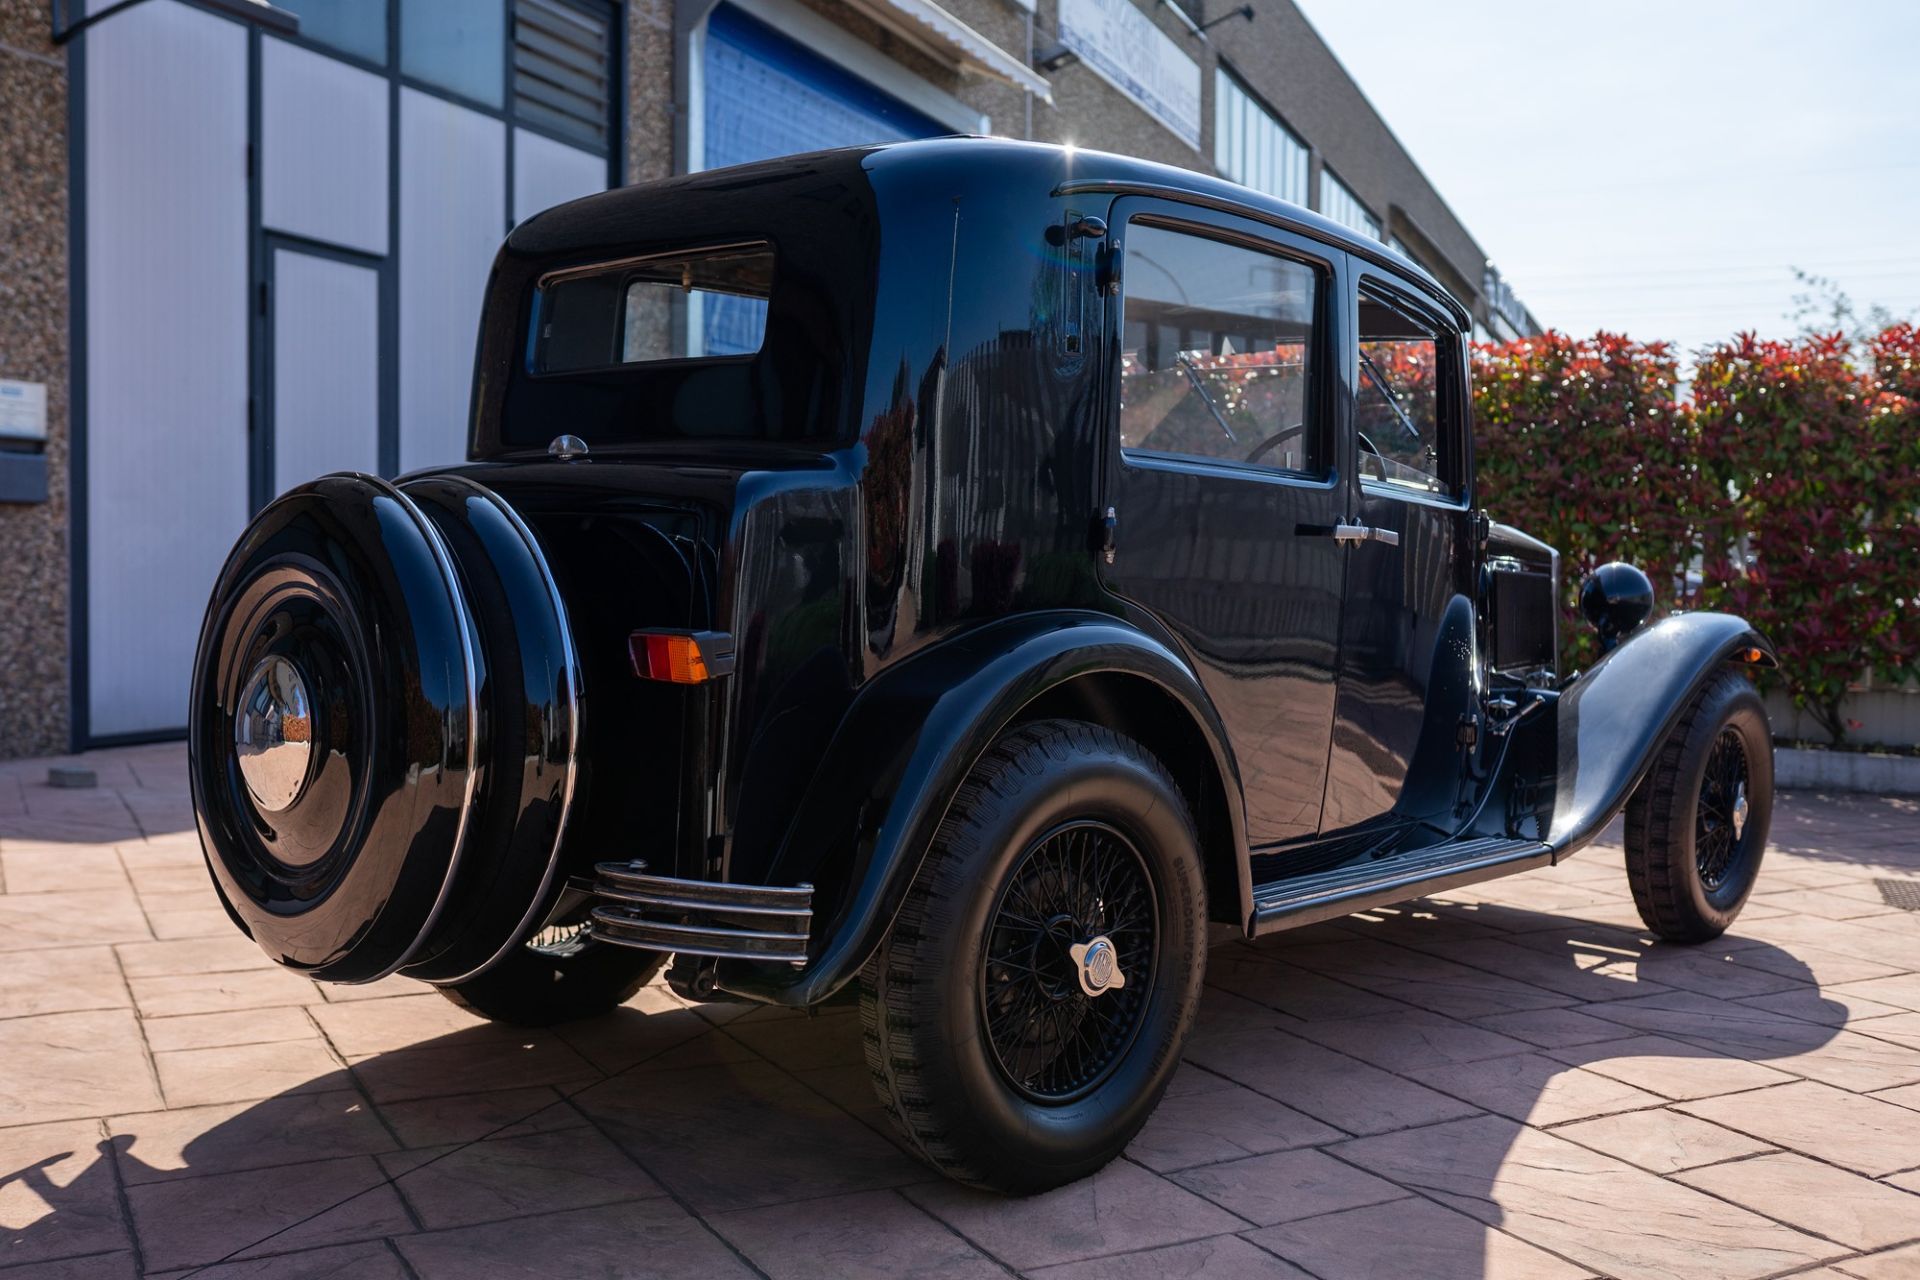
1223, 482
1406, 631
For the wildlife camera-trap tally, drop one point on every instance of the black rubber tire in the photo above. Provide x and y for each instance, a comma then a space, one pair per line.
530, 988
1662, 864
921, 1004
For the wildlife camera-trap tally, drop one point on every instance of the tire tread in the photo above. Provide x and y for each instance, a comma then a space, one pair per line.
891, 1007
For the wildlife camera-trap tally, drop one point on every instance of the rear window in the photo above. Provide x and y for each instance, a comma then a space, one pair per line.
699, 304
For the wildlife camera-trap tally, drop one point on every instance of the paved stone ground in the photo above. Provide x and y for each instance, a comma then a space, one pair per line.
1508, 1081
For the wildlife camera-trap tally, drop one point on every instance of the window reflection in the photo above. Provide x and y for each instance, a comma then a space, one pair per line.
1219, 340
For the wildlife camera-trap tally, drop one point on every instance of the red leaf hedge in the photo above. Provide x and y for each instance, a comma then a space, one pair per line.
1787, 490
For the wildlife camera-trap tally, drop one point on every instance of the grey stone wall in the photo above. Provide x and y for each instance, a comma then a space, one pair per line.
33, 347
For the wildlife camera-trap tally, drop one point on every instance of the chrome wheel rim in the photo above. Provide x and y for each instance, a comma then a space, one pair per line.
1720, 821
273, 734
1068, 962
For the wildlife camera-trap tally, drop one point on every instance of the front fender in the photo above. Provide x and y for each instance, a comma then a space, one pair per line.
899, 756
1611, 722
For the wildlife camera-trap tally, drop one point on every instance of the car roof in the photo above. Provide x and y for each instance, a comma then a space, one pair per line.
1047, 168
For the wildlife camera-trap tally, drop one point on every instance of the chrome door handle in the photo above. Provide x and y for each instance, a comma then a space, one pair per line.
1344, 532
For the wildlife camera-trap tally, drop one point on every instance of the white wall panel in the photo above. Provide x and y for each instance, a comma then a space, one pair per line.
547, 173
166, 358
323, 148
326, 367
453, 197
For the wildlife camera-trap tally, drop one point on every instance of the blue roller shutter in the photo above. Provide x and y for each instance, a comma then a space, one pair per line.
767, 95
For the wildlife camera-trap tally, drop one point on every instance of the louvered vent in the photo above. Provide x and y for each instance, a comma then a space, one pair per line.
561, 74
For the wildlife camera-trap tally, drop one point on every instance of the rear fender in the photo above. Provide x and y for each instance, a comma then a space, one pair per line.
899, 756
1608, 725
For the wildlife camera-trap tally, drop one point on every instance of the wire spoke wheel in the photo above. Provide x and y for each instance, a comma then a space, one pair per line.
1059, 1014
1721, 816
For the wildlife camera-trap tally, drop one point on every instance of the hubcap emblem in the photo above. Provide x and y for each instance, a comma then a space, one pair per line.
1740, 811
273, 734
1098, 965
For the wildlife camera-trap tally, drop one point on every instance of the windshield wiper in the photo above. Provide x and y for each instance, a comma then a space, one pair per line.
1193, 376
1385, 388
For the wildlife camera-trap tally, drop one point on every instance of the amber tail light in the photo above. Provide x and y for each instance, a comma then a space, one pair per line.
681, 657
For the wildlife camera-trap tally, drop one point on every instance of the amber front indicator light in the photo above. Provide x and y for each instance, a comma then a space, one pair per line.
681, 657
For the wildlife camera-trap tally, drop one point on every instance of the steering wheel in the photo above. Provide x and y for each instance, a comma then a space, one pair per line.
1278, 438
1368, 446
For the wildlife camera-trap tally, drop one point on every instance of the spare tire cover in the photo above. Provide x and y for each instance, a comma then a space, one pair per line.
335, 728
530, 726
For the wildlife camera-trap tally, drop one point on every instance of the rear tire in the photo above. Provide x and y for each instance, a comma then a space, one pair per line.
535, 986
1697, 824
996, 1032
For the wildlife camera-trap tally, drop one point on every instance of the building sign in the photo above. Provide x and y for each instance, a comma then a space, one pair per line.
23, 410
1126, 49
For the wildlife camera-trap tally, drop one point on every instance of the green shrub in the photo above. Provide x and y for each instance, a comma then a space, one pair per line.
1787, 491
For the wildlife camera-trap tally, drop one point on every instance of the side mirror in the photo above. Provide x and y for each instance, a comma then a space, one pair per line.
1615, 599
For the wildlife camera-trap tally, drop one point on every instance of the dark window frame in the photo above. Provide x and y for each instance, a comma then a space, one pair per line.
627, 268
1453, 421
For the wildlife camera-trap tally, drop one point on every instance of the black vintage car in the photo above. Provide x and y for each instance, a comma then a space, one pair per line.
956, 573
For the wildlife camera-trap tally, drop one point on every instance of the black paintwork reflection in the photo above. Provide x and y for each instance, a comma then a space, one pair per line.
1232, 565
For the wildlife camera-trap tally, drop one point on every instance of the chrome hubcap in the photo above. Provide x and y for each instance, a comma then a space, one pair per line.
1098, 965
273, 734
1740, 812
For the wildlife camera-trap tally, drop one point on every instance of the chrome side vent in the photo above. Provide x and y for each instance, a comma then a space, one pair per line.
700, 917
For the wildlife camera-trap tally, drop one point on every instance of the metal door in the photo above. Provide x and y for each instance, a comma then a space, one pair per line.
1406, 637
1225, 486
324, 367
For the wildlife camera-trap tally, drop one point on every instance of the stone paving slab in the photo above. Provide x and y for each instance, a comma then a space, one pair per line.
1511, 1080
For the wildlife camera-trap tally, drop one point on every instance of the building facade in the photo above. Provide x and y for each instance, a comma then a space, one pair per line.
244, 244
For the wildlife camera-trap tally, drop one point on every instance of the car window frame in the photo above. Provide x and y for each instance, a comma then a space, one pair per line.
1398, 291
1324, 392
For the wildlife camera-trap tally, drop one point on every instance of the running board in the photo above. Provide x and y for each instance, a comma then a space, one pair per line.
1325, 895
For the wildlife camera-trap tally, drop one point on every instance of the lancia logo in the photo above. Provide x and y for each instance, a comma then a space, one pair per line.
1099, 966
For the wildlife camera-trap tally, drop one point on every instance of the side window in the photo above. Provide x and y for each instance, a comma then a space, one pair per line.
1402, 411
1218, 341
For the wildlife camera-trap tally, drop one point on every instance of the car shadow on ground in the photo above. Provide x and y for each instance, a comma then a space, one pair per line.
1366, 1092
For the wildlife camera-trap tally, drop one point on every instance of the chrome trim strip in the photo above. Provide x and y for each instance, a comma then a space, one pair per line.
666, 903
713, 892
443, 559
614, 925
529, 921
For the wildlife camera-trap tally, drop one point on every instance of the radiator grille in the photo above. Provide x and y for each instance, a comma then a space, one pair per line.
1524, 620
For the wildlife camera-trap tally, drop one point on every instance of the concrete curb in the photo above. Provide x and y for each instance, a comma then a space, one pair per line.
1800, 769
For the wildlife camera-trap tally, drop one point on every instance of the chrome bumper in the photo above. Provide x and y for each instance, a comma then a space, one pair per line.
700, 917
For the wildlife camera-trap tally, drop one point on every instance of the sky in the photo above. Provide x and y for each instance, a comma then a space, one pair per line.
1658, 169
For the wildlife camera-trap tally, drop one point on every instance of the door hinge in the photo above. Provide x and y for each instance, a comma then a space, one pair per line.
1107, 525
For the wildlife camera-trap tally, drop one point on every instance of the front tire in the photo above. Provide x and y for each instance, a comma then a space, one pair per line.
1697, 825
1030, 1004
556, 976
